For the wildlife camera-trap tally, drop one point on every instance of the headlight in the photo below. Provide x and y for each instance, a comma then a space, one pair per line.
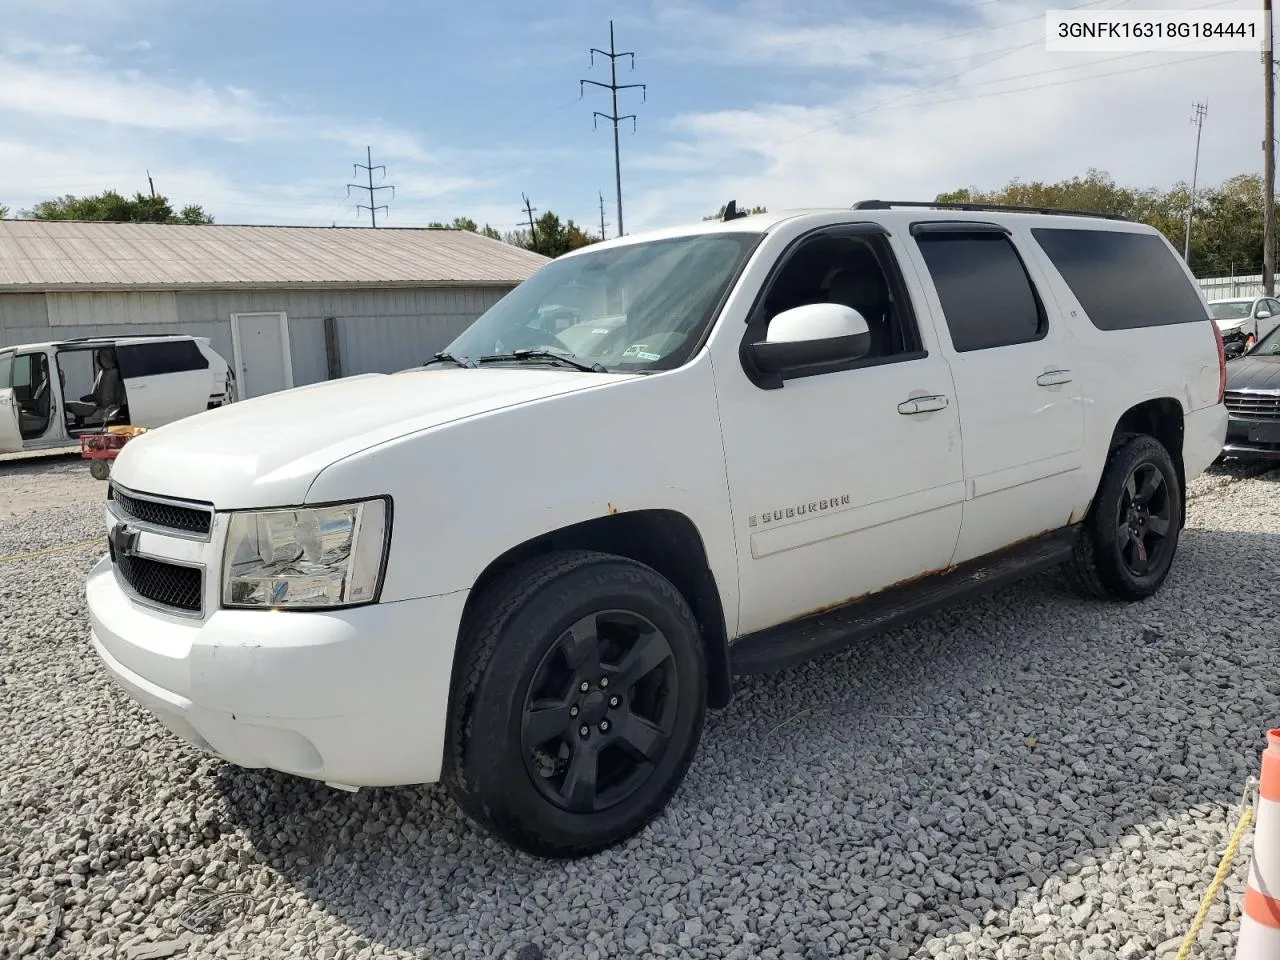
309, 557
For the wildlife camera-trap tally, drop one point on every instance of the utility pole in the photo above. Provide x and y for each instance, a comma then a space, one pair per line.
602, 219
369, 168
613, 87
1198, 119
1269, 152
533, 234
152, 184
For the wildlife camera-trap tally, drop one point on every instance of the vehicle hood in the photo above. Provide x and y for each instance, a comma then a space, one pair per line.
1254, 373
1233, 323
266, 451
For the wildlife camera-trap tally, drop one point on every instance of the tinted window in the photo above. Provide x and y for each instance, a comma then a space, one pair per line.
1123, 280
6, 369
985, 292
153, 359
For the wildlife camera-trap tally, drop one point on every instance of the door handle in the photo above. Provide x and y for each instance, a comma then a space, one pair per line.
922, 405
1051, 378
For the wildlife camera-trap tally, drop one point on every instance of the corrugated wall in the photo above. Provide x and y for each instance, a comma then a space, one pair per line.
378, 330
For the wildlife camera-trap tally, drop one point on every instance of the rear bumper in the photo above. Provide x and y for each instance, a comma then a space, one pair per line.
1203, 433
356, 697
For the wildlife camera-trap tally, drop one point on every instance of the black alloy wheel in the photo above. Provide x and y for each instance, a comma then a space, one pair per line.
1128, 540
578, 701
1146, 517
600, 711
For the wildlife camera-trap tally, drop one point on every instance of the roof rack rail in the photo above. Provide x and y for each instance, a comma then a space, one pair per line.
995, 207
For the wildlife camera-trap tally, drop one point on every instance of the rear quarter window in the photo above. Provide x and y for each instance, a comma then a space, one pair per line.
1123, 280
154, 359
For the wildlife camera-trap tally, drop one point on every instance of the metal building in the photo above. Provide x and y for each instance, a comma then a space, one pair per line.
285, 306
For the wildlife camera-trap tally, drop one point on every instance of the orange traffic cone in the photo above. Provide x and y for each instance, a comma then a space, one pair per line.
1260, 921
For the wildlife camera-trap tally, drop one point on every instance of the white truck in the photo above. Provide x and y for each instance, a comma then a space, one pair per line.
51, 394
529, 567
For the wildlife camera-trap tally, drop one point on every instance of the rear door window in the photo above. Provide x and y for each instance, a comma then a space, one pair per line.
986, 295
1122, 279
6, 370
138, 360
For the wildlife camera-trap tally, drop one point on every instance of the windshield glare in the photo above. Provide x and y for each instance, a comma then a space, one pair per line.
1231, 309
636, 307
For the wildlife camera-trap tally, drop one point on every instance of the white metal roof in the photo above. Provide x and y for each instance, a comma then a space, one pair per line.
38, 255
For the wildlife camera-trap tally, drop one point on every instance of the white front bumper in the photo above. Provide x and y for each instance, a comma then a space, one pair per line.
356, 697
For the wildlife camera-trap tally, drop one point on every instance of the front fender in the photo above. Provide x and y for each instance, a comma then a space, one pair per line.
467, 492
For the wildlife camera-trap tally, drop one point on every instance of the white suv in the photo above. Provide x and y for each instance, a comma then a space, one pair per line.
528, 567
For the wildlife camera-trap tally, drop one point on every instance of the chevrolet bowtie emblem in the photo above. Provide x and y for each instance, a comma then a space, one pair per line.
123, 539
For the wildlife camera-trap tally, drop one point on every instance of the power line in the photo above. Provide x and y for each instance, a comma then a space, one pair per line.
1198, 119
613, 87
1269, 157
369, 168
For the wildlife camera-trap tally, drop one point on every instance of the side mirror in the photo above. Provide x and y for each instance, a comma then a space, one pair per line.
1263, 314
812, 334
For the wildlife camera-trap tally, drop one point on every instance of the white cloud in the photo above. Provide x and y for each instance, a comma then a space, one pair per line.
974, 110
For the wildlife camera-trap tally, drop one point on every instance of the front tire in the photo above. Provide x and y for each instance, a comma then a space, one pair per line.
578, 704
1128, 540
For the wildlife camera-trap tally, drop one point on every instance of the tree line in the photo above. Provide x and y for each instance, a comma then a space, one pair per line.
1226, 232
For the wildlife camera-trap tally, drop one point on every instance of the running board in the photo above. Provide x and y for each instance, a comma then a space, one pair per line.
798, 641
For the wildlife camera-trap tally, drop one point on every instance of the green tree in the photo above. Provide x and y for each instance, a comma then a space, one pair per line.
719, 214
4, 211
112, 206
553, 236
466, 223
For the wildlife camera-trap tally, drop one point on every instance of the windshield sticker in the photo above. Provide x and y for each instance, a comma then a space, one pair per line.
638, 351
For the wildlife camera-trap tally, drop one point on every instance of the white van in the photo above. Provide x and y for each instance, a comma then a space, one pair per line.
103, 381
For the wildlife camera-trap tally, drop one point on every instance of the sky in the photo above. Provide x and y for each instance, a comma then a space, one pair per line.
258, 109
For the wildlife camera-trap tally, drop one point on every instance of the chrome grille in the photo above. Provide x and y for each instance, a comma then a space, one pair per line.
162, 513
160, 583
1256, 406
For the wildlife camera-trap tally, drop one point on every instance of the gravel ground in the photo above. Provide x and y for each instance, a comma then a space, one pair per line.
1030, 775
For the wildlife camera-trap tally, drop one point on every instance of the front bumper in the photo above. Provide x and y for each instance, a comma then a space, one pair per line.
1252, 439
354, 697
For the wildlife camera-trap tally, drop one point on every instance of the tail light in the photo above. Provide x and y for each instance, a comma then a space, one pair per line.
1222, 361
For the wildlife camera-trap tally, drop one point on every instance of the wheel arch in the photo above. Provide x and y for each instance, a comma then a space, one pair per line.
1163, 419
666, 540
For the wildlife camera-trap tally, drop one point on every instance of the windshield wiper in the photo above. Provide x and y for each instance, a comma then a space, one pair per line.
450, 358
544, 354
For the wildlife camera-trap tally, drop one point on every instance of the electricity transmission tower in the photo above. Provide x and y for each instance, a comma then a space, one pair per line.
1198, 119
613, 87
369, 168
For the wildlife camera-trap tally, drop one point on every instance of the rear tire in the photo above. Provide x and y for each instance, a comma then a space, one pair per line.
99, 469
1130, 536
566, 643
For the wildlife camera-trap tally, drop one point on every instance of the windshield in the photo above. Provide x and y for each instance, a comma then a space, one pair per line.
637, 307
1268, 346
1230, 309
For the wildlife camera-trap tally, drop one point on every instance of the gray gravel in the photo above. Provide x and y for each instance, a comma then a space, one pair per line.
1029, 776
